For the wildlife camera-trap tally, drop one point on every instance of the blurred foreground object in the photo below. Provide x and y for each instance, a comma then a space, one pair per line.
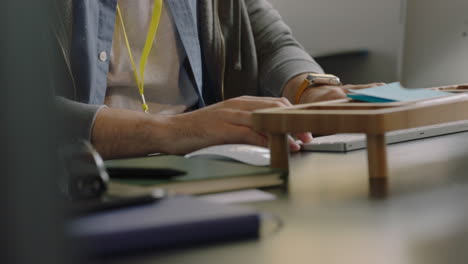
85, 174
31, 228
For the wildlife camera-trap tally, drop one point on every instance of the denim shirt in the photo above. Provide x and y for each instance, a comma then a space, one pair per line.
93, 30
246, 49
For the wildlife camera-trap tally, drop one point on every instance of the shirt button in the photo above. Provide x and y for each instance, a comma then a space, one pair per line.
103, 56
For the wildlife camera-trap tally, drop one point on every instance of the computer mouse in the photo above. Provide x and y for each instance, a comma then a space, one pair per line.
249, 154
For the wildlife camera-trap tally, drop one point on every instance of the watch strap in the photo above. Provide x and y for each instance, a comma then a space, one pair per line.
306, 83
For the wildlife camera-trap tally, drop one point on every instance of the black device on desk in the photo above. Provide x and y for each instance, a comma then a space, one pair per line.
87, 176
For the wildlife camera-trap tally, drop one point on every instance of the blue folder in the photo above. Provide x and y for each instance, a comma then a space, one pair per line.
394, 92
164, 224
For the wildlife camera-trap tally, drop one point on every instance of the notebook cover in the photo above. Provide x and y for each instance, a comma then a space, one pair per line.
165, 224
196, 169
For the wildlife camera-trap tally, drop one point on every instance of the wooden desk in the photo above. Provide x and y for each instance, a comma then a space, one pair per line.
330, 218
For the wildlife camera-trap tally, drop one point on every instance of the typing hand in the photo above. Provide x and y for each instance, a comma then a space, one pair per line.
227, 122
330, 92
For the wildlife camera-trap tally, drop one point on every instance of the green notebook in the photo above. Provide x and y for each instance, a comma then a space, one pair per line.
197, 175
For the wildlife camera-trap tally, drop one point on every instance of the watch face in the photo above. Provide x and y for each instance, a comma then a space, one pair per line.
324, 79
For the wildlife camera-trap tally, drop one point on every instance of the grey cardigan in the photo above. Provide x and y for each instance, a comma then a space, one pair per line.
241, 47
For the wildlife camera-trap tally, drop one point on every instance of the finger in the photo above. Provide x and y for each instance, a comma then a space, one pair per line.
346, 88
452, 87
370, 85
250, 103
448, 87
283, 100
304, 137
322, 93
267, 102
362, 86
334, 93
293, 146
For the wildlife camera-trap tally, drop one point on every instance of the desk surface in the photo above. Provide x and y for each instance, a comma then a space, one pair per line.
331, 215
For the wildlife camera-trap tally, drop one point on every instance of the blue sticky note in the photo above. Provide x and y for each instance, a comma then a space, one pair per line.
394, 92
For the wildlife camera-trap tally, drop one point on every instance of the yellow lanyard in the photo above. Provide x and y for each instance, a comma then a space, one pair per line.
151, 35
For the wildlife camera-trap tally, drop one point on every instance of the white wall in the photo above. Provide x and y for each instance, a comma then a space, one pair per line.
329, 26
436, 43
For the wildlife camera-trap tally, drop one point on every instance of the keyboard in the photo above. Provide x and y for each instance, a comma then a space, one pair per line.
349, 142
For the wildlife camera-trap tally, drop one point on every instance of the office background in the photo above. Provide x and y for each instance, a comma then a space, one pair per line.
375, 25
337, 26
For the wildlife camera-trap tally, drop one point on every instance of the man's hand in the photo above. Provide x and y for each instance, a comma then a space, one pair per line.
123, 133
226, 122
320, 93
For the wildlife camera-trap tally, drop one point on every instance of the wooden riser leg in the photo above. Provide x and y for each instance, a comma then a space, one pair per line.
377, 157
378, 188
279, 151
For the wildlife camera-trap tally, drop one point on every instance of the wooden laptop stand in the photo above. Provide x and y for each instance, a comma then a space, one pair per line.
345, 116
